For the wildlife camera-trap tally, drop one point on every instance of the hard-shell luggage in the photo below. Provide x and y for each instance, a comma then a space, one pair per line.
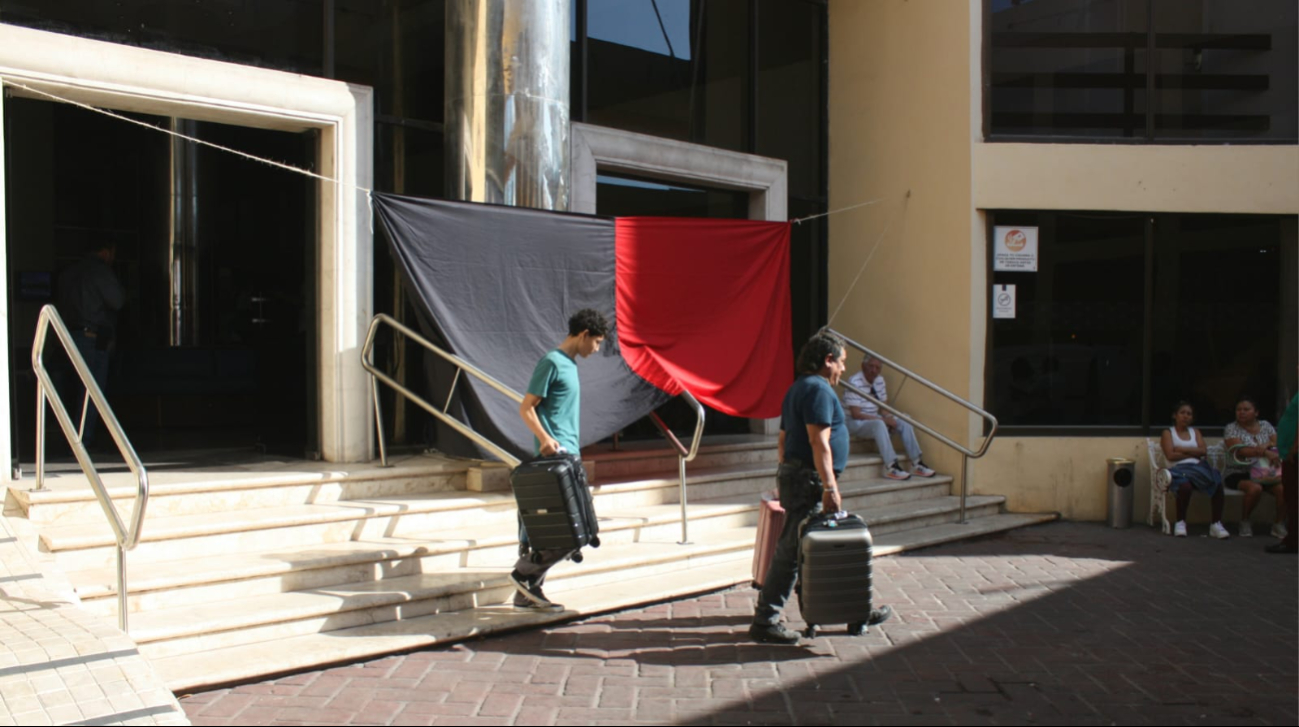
834, 574
771, 523
555, 504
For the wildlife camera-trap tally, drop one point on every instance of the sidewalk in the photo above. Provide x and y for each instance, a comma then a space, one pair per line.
1057, 624
62, 665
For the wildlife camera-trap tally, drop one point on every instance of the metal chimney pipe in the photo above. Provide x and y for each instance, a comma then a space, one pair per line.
507, 102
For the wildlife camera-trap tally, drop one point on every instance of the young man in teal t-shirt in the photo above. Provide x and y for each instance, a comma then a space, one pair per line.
551, 410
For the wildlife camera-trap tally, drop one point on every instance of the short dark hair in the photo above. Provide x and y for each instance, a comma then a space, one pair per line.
813, 354
1183, 403
589, 320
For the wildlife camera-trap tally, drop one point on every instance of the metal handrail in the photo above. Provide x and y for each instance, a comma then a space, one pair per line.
966, 452
367, 362
127, 538
683, 455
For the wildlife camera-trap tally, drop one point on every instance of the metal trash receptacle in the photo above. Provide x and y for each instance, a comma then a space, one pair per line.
1120, 479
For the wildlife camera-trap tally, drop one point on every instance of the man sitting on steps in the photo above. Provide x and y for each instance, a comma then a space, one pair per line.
866, 421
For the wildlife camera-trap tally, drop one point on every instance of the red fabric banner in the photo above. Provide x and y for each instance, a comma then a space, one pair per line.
704, 304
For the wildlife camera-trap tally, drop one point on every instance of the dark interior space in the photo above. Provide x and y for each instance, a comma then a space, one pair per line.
213, 348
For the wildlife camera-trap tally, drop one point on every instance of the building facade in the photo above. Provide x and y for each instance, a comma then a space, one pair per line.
1149, 145
1145, 148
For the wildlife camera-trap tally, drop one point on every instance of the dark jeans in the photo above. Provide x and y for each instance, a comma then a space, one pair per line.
74, 394
800, 496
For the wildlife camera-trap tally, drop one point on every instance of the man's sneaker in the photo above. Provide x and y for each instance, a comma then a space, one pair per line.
772, 634
894, 472
879, 615
921, 469
1216, 530
530, 597
1246, 530
1179, 529
1279, 530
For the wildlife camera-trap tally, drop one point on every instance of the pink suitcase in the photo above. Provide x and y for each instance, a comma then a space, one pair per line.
771, 521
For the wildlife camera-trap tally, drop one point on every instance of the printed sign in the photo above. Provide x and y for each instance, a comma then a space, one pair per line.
1014, 249
1003, 301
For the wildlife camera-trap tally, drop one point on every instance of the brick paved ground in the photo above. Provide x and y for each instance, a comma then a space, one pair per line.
1058, 624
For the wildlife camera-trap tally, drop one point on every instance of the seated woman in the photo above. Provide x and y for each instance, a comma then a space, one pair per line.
1184, 451
1257, 439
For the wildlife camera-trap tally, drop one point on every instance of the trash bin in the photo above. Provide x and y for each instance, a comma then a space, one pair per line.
1120, 477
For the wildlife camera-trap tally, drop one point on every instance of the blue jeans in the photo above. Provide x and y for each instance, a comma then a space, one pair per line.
800, 496
97, 362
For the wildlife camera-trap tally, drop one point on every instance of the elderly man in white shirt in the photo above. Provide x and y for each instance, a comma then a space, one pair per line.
865, 420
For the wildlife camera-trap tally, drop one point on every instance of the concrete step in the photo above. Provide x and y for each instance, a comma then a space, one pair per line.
69, 499
185, 672
172, 583
82, 546
174, 631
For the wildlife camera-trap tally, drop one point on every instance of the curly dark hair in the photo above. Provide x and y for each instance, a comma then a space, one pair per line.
589, 320
813, 354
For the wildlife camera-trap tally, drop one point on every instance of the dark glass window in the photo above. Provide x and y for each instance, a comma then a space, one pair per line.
282, 34
1226, 69
790, 110
672, 68
1127, 314
1218, 312
397, 48
1072, 353
1075, 69
1142, 69
628, 196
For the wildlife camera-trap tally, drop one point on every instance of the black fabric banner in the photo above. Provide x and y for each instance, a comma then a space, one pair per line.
496, 285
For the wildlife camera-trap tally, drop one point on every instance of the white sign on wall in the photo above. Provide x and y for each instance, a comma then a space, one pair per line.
1003, 301
1014, 249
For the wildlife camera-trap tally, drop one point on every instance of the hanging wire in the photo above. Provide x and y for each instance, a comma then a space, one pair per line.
147, 125
902, 209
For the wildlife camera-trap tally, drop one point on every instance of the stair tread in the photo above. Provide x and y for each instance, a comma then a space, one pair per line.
235, 663
148, 576
178, 621
75, 536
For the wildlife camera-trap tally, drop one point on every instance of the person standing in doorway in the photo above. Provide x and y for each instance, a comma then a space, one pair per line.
551, 411
89, 297
813, 452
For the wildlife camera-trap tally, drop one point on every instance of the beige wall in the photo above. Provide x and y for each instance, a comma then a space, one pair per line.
1239, 179
900, 121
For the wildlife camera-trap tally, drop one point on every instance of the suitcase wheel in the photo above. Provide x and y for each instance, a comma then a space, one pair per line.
857, 629
576, 557
595, 542
810, 631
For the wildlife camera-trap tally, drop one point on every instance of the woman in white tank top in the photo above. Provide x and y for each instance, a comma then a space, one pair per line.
1184, 451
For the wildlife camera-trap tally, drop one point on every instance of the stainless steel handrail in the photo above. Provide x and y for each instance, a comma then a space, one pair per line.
367, 362
127, 538
684, 455
966, 452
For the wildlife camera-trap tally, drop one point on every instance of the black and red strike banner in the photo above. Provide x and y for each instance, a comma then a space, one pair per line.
696, 303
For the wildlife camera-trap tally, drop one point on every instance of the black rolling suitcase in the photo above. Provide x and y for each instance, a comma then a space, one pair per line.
555, 504
834, 573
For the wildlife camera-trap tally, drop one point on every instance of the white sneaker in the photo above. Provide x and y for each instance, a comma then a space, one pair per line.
1279, 530
1246, 529
1179, 530
1216, 530
894, 472
922, 470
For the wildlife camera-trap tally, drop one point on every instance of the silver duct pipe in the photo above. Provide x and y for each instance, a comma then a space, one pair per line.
182, 258
506, 115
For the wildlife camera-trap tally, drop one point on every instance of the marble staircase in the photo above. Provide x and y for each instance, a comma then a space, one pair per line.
264, 570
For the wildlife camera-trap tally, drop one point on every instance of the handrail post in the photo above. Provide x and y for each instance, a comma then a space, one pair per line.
122, 593
685, 520
965, 483
40, 438
378, 422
